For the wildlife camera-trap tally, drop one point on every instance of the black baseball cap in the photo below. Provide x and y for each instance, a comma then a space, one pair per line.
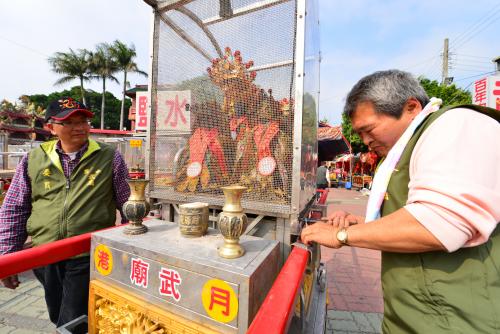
64, 107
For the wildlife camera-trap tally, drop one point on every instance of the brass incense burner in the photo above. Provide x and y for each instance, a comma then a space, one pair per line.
232, 222
136, 208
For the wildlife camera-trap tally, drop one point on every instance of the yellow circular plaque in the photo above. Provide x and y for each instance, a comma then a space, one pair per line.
103, 260
219, 300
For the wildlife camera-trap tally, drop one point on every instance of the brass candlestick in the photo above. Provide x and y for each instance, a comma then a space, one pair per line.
136, 208
232, 222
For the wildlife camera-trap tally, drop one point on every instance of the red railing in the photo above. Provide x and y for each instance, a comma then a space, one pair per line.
14, 263
26, 259
276, 312
323, 195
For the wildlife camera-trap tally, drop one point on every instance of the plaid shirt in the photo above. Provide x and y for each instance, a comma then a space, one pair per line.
16, 208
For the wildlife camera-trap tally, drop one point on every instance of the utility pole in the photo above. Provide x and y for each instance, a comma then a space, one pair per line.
444, 79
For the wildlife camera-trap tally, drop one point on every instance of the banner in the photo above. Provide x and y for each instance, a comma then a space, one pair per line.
486, 92
141, 108
173, 111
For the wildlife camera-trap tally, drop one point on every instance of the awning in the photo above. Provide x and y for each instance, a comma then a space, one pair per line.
344, 158
331, 142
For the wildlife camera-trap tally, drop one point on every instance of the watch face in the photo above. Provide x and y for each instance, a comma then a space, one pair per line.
342, 236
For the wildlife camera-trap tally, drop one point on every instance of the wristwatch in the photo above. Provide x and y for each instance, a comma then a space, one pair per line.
342, 236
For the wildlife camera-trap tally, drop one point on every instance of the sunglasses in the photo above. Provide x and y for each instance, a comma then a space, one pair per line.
73, 124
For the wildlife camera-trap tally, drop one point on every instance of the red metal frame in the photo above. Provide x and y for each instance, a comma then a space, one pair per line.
276, 312
112, 132
14, 263
26, 259
323, 196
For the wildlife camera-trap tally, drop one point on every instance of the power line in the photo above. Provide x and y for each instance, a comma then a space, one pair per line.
464, 42
486, 23
457, 92
421, 63
24, 46
474, 62
470, 56
473, 65
492, 12
468, 29
468, 69
432, 67
435, 73
474, 76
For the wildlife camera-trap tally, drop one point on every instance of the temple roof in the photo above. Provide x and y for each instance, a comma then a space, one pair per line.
330, 133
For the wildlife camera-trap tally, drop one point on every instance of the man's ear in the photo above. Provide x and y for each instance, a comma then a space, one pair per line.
50, 126
412, 106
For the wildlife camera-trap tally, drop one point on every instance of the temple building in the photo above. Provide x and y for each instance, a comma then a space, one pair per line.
22, 123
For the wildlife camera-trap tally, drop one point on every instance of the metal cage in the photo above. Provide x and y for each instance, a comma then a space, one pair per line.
234, 91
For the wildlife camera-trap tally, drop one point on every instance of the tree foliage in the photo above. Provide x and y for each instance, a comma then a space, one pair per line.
309, 119
449, 94
123, 56
351, 136
94, 100
102, 63
72, 65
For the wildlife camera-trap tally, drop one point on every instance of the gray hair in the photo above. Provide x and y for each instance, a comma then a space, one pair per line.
388, 91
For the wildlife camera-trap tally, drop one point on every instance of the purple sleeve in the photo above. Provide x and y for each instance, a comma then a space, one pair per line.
120, 185
16, 210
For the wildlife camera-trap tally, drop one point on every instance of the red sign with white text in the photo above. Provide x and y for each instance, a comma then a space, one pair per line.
141, 110
486, 92
495, 93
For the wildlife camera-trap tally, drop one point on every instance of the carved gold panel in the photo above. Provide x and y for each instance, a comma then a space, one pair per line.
115, 311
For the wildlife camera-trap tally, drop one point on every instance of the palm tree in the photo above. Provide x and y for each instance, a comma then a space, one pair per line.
103, 66
124, 58
72, 65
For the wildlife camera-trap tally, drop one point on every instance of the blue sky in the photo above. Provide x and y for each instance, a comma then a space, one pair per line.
358, 37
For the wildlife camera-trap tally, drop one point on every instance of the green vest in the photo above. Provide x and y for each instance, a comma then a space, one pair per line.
439, 292
64, 208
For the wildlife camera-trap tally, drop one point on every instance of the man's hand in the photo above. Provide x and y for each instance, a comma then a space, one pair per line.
342, 219
10, 282
322, 233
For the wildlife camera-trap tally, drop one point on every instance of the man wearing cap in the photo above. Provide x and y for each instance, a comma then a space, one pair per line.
63, 188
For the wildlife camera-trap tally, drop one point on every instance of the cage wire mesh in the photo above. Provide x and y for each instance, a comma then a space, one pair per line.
132, 149
223, 111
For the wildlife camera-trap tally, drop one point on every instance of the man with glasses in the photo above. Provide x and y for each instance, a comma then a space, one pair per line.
437, 228
65, 187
